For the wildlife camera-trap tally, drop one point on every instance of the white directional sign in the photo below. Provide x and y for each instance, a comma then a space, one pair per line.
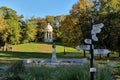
95, 30
83, 47
94, 37
92, 69
88, 41
98, 25
101, 51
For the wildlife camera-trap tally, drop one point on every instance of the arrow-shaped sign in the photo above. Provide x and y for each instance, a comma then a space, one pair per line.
88, 41
83, 47
101, 51
94, 37
98, 25
95, 30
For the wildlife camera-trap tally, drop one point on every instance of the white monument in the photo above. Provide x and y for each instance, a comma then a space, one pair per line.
48, 33
54, 59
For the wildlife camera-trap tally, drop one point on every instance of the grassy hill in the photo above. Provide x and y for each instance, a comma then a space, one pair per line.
41, 47
37, 50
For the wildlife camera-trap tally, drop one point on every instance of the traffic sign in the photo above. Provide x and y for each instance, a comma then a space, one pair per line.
83, 47
98, 25
101, 51
88, 41
94, 37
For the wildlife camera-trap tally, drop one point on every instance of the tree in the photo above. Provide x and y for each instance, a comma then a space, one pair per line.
81, 13
109, 15
86, 5
56, 25
12, 29
41, 24
28, 31
2, 30
105, 11
2, 23
71, 32
49, 19
58, 20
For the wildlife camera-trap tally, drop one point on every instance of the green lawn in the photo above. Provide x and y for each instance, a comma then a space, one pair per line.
41, 47
44, 50
36, 50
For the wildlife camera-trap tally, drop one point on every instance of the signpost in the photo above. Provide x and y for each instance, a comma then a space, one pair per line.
91, 53
101, 51
83, 47
94, 37
87, 41
98, 25
94, 30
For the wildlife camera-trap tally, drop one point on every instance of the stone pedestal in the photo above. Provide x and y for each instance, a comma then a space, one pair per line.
53, 59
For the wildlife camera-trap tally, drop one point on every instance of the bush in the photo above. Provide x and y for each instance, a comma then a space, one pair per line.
15, 70
79, 72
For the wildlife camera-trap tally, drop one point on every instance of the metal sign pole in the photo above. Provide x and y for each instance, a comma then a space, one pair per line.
91, 54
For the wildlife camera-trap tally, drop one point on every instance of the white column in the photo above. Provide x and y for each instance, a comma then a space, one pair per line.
51, 37
45, 36
54, 58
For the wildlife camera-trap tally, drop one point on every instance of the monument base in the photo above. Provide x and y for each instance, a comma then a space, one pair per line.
48, 40
54, 59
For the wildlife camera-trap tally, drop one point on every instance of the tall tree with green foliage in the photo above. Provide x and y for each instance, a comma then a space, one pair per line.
81, 13
28, 32
49, 19
12, 29
2, 22
109, 15
2, 29
71, 32
56, 25
41, 24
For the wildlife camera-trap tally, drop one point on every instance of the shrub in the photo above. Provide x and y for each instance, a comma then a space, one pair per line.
15, 70
75, 72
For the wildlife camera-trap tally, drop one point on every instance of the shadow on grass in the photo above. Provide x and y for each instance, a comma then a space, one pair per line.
8, 57
17, 54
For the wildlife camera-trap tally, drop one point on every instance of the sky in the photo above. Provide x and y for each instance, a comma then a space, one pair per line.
39, 8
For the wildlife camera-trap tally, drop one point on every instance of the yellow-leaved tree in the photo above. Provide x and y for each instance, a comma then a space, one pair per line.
86, 4
2, 23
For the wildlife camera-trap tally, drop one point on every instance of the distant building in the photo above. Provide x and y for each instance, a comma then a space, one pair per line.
48, 33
